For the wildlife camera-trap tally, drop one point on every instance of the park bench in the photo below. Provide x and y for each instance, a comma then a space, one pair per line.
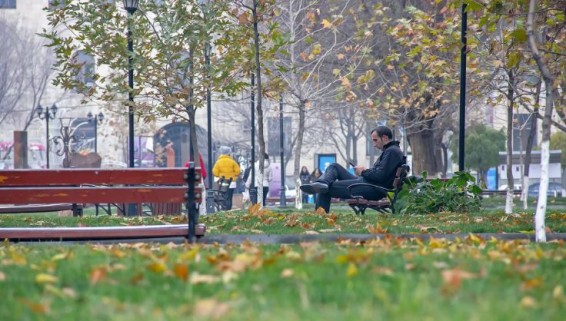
78, 187
359, 204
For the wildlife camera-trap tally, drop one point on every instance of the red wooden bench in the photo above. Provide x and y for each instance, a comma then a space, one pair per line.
92, 186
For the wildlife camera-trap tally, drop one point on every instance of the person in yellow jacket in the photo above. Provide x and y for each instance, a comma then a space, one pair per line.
226, 166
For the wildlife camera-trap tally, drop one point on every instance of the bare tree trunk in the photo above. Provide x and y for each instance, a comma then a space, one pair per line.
540, 233
422, 144
259, 106
298, 148
510, 106
530, 143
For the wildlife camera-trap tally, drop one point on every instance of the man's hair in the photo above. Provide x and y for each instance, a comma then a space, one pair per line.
383, 130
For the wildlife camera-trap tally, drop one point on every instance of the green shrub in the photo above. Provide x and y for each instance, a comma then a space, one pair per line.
423, 196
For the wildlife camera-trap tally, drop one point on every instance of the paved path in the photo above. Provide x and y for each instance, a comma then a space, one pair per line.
290, 239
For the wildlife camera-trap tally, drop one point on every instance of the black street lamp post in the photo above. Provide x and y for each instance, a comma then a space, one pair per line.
207, 52
131, 6
96, 119
65, 140
47, 115
253, 188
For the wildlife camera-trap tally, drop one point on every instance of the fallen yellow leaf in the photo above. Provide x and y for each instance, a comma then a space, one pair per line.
45, 278
157, 267
352, 270
558, 292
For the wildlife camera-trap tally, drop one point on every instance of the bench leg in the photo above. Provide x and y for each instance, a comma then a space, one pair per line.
76, 210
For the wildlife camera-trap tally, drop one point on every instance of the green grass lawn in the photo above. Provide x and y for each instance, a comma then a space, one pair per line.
291, 221
388, 279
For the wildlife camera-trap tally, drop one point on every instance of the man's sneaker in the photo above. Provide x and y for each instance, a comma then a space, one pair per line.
315, 188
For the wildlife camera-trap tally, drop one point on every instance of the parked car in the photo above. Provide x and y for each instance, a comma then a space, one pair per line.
554, 190
290, 191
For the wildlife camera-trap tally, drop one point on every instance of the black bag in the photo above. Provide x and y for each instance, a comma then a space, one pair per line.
247, 173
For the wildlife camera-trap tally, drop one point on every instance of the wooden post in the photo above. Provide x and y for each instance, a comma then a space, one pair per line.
170, 152
20, 149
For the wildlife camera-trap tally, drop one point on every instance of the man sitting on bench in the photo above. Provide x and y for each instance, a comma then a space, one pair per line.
336, 179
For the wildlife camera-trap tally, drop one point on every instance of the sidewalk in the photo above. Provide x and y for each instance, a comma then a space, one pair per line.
300, 238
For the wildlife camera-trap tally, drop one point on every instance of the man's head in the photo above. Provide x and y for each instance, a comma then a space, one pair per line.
381, 135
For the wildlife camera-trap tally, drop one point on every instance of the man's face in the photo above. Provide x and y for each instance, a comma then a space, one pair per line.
378, 142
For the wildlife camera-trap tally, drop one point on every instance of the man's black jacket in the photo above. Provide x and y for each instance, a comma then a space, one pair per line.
383, 171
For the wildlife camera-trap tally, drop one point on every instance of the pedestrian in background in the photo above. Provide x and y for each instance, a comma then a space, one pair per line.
305, 177
228, 168
267, 177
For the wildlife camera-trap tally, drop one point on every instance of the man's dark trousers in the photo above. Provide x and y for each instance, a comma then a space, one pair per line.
338, 179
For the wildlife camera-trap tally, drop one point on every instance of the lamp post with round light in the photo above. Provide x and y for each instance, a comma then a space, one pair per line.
131, 7
48, 115
96, 119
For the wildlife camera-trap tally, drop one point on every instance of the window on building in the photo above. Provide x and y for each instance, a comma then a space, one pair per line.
7, 4
86, 73
522, 127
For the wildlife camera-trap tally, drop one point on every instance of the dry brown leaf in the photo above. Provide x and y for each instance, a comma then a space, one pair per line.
2, 276
382, 270
136, 278
98, 274
377, 229
287, 273
528, 302
211, 308
203, 278
531, 283
41, 308
453, 278
181, 271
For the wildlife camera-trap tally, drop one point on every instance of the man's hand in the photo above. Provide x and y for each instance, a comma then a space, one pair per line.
358, 170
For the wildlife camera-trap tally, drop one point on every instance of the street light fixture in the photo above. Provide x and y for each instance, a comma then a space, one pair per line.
207, 51
47, 115
131, 6
98, 119
66, 139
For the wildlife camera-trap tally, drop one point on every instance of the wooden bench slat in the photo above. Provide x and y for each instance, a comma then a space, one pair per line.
35, 208
103, 194
76, 176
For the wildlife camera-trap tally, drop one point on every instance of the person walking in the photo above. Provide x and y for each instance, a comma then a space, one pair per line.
228, 168
305, 177
267, 176
336, 179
